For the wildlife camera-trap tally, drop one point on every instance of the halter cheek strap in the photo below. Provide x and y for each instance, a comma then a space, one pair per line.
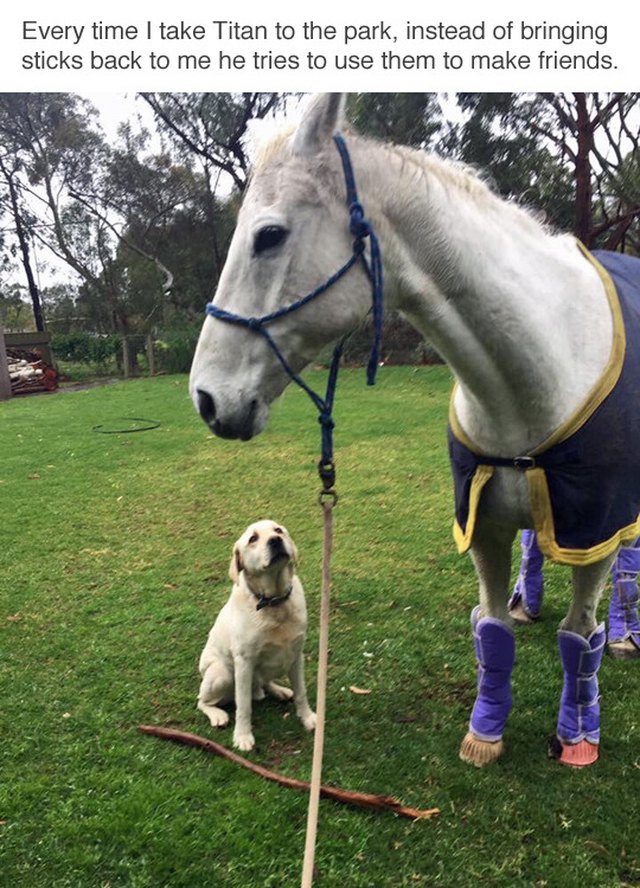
361, 229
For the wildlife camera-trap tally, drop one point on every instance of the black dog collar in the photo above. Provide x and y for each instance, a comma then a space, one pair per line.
274, 601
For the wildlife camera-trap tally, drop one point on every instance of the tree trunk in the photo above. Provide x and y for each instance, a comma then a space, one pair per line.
24, 249
584, 190
151, 354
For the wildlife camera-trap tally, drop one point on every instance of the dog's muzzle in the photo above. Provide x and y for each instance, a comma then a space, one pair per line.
277, 550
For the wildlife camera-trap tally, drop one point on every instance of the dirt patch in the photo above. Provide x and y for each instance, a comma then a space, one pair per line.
83, 386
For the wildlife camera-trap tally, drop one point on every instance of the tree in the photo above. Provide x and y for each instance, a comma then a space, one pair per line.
413, 119
48, 143
22, 219
14, 310
576, 142
104, 210
213, 126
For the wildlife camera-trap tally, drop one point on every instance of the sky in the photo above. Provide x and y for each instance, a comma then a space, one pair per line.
114, 109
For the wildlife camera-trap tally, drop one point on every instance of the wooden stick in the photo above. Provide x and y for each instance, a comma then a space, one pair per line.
321, 699
346, 796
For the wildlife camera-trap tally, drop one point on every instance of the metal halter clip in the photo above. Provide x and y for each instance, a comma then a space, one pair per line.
327, 498
524, 462
327, 472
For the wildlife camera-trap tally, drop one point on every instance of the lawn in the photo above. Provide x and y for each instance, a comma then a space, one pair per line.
114, 552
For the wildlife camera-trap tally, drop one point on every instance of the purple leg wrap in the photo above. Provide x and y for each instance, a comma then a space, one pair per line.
623, 611
579, 715
495, 652
529, 585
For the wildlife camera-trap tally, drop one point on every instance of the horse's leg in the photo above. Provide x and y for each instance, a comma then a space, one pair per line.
526, 600
494, 643
581, 642
624, 623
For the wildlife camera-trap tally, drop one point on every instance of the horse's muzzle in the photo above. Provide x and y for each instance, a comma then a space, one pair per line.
242, 426
206, 406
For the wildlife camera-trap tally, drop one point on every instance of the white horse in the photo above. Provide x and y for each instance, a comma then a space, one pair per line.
519, 314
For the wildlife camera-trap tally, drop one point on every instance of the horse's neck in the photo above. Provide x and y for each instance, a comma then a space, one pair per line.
520, 316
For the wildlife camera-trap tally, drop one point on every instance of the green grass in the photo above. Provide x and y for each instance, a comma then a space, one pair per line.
113, 562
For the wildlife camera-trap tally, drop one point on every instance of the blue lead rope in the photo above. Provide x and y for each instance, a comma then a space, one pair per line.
361, 230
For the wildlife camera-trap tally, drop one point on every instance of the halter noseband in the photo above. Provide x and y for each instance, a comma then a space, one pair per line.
361, 229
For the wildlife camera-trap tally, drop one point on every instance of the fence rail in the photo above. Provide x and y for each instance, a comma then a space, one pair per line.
34, 342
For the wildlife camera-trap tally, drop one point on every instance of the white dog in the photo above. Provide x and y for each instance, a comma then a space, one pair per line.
258, 635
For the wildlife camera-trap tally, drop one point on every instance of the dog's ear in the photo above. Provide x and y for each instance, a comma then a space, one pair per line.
236, 564
294, 551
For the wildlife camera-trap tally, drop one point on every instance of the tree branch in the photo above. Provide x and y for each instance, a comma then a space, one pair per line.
345, 796
168, 275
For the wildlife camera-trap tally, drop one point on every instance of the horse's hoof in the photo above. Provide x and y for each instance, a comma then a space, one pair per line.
623, 650
520, 616
574, 755
480, 752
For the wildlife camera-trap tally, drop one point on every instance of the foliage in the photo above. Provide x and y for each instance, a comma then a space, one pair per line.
144, 222
564, 153
175, 349
518, 164
401, 344
142, 229
212, 126
85, 348
404, 118
113, 565
15, 313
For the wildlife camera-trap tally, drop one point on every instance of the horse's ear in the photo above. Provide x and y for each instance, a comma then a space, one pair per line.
320, 121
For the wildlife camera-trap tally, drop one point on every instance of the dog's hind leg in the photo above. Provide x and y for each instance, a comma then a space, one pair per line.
296, 675
216, 687
278, 691
257, 690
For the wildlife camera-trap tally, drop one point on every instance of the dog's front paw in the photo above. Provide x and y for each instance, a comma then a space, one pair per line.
244, 742
309, 720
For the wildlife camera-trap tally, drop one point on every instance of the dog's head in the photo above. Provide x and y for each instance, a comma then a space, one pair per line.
264, 546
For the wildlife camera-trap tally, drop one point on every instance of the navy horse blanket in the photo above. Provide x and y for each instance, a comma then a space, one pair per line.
584, 481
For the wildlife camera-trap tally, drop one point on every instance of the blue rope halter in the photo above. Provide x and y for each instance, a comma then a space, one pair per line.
361, 229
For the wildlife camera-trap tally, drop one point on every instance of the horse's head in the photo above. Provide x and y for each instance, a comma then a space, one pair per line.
292, 235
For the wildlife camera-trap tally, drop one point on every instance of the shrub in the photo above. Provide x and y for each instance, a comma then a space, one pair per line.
85, 348
175, 348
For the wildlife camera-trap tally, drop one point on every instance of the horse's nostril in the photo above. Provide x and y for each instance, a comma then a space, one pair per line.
206, 406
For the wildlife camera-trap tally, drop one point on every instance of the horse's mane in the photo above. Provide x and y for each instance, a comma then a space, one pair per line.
272, 148
451, 174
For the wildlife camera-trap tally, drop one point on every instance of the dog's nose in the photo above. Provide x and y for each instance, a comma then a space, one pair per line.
206, 406
277, 549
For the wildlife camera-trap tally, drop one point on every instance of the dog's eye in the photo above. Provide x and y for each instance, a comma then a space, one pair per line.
253, 538
278, 530
269, 237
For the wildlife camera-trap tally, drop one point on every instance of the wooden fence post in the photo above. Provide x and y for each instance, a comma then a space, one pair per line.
125, 357
151, 355
5, 379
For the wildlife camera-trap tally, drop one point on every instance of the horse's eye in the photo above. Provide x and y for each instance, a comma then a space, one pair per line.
269, 237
